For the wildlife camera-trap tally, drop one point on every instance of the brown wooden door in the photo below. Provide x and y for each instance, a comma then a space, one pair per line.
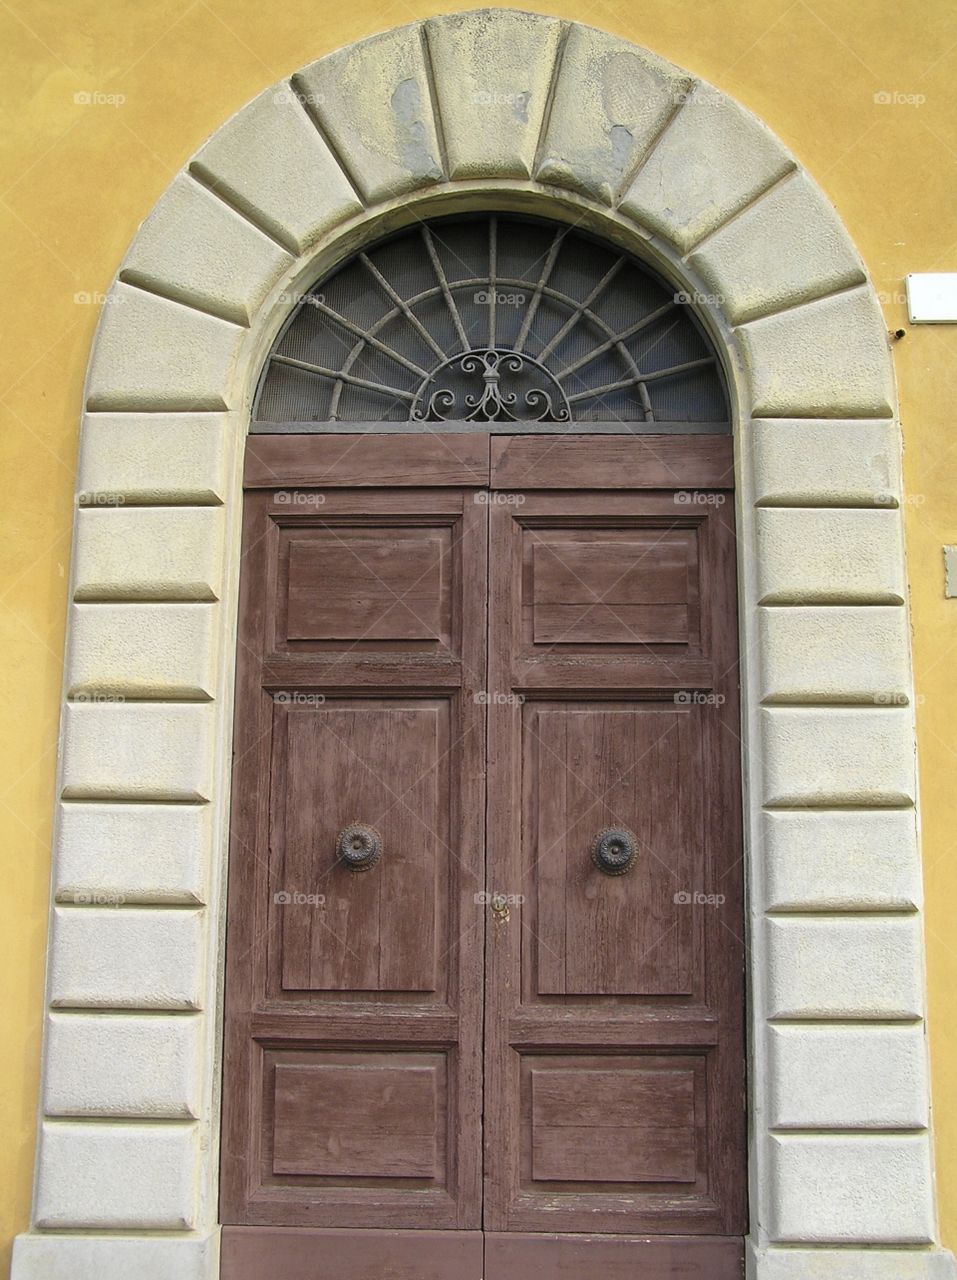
604, 1020
352, 1081
614, 1079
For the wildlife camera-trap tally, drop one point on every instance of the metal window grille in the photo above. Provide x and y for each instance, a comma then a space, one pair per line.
492, 322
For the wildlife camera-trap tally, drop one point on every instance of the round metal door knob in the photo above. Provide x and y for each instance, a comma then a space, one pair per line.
614, 850
359, 847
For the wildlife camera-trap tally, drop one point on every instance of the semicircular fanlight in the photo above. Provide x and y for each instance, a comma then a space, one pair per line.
492, 319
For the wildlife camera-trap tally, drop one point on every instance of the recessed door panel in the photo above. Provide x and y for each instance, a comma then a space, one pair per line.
596, 767
596, 589
622, 1120
592, 587
381, 763
358, 1118
361, 584
373, 588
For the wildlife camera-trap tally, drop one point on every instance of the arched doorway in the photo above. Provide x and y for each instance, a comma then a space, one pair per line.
485, 978
575, 124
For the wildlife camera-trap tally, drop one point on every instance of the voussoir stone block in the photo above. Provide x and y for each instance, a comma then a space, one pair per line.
155, 458
118, 958
788, 247
148, 553
137, 751
272, 163
197, 250
841, 860
837, 756
492, 73
117, 1176
834, 653
844, 967
142, 651
712, 160
847, 1077
611, 100
834, 1189
950, 572
824, 359
111, 854
124, 1065
374, 103
803, 463
151, 353
829, 556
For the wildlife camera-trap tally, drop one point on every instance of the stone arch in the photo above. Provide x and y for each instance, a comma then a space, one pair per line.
492, 108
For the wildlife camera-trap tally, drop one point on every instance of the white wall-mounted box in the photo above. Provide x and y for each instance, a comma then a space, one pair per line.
932, 297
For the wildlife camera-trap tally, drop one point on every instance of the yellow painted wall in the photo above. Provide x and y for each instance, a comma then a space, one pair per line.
78, 177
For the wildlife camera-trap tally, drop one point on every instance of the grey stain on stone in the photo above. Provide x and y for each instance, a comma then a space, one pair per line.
520, 106
411, 133
622, 145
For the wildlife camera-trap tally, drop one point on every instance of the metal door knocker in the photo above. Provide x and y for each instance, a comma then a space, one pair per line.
359, 847
614, 850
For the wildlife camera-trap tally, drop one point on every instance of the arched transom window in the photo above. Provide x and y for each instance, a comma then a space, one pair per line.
494, 322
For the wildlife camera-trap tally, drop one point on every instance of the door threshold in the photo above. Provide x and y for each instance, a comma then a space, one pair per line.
339, 1253
513, 1256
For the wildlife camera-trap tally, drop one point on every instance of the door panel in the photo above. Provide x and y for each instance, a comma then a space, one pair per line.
356, 1118
353, 590
614, 1037
591, 588
587, 767
381, 587
627, 1120
353, 1087
382, 761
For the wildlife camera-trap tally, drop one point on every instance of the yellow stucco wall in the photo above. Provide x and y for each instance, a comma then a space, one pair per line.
78, 177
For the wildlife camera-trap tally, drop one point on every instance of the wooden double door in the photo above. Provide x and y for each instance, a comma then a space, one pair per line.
484, 947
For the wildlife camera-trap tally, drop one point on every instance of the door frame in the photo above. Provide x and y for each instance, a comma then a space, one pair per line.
127, 1159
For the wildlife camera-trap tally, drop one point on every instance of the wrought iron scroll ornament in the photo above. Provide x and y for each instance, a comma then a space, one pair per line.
614, 850
536, 396
359, 847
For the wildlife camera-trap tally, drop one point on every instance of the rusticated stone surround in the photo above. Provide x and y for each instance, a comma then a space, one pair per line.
487, 109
